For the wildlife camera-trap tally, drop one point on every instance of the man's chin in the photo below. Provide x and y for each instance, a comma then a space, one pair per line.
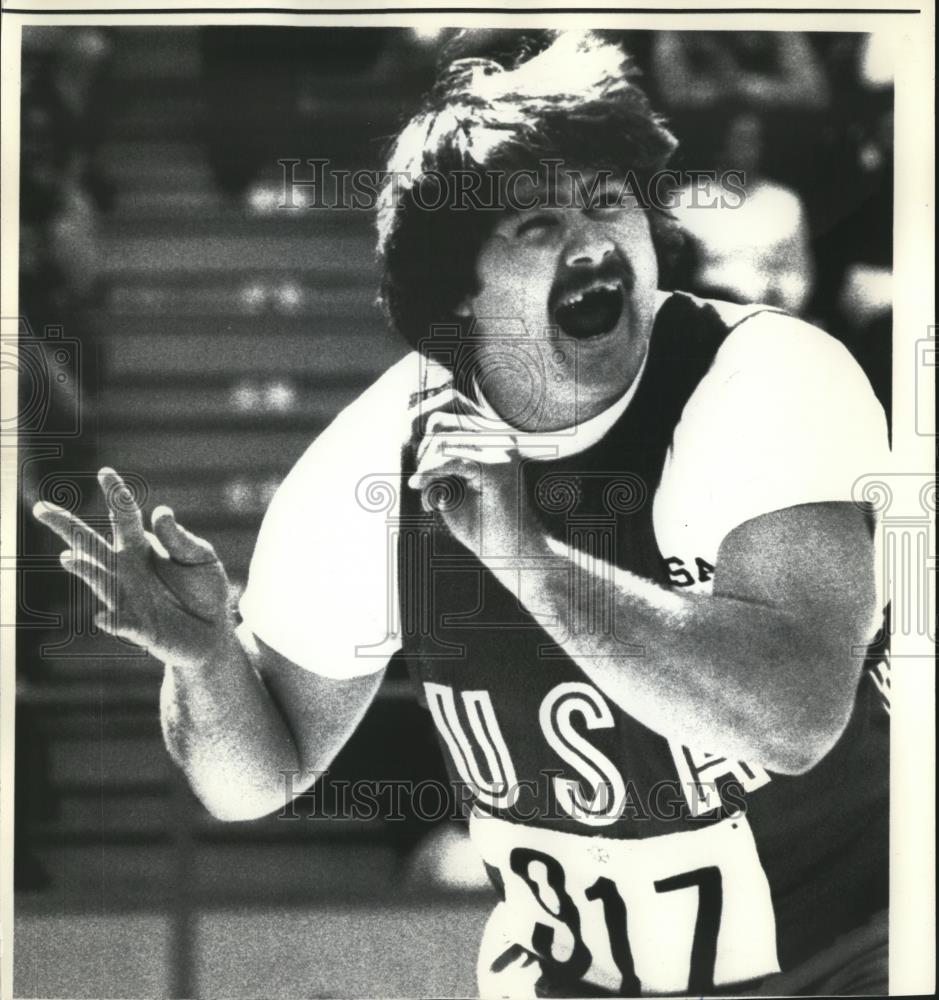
606, 366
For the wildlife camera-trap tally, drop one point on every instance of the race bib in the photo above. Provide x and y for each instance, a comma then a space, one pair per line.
680, 913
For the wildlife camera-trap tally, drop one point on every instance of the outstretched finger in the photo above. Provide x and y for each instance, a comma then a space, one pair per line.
71, 529
122, 507
182, 546
91, 573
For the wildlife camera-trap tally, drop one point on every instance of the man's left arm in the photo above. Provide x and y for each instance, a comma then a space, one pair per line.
765, 667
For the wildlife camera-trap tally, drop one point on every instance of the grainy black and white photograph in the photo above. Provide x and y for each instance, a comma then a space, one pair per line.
469, 502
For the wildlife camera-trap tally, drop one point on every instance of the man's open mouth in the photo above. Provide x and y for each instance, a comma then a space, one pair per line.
592, 311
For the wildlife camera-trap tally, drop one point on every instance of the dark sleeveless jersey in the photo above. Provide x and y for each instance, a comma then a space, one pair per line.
625, 861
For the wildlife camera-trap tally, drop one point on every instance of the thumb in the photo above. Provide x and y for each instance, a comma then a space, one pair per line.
181, 545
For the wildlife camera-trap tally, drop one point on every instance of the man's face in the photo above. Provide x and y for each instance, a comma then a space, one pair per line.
564, 310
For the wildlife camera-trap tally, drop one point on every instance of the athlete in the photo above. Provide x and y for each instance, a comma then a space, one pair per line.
610, 529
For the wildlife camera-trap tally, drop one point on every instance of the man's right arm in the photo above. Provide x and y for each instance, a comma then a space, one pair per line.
238, 717
247, 722
250, 728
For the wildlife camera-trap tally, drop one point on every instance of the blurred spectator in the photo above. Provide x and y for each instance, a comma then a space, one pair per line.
852, 212
751, 237
61, 194
61, 187
811, 123
703, 77
759, 69
865, 294
62, 191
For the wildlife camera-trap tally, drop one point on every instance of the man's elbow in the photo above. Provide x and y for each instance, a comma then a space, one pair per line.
233, 802
799, 757
796, 748
243, 810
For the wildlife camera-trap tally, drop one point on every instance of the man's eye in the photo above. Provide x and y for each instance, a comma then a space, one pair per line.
535, 224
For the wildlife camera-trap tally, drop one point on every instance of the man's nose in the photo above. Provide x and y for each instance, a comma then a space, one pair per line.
587, 246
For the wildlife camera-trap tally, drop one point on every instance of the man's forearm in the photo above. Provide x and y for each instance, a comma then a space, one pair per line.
720, 674
224, 730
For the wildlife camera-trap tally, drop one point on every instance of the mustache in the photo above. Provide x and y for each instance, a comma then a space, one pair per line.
571, 280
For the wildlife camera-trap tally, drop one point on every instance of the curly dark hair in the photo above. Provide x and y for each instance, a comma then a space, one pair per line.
575, 102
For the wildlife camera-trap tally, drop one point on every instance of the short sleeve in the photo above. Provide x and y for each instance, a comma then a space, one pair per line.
322, 587
785, 416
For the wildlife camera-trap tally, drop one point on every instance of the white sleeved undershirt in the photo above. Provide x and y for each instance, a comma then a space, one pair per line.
783, 417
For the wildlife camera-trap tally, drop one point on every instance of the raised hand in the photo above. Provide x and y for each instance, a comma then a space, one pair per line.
165, 590
470, 473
